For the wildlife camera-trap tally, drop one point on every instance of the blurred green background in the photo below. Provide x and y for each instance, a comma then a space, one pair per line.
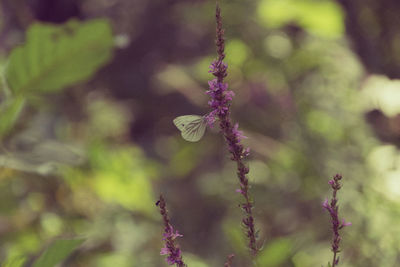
88, 144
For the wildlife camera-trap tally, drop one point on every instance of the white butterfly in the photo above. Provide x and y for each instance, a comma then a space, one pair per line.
192, 127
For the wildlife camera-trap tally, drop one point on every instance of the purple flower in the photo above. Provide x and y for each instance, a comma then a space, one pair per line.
170, 234
220, 103
164, 251
211, 118
217, 65
170, 248
344, 223
333, 210
174, 257
240, 191
238, 134
327, 206
220, 99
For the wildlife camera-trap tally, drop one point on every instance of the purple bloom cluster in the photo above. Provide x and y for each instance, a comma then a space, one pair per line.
173, 251
220, 101
333, 210
220, 97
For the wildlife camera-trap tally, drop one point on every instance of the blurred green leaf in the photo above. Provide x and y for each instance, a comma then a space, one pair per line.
51, 224
325, 124
186, 154
26, 242
115, 115
113, 259
57, 252
37, 156
275, 253
193, 261
56, 56
9, 112
322, 18
235, 237
239, 49
123, 175
14, 261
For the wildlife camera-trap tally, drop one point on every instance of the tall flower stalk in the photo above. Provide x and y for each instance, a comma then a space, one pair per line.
170, 248
333, 210
220, 103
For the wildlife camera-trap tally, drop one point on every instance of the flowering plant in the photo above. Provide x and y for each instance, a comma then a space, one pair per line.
333, 210
193, 128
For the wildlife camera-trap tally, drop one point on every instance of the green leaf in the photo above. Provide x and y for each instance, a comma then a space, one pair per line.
276, 253
14, 261
322, 18
56, 56
57, 252
9, 112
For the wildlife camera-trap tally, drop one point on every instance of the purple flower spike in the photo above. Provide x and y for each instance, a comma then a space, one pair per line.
220, 103
333, 210
170, 248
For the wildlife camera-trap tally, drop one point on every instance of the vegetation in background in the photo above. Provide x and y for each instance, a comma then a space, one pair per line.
87, 153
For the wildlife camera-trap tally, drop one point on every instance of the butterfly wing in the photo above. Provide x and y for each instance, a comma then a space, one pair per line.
194, 131
192, 127
181, 121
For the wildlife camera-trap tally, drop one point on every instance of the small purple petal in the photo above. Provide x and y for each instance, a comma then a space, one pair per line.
344, 223
164, 251
325, 204
240, 191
